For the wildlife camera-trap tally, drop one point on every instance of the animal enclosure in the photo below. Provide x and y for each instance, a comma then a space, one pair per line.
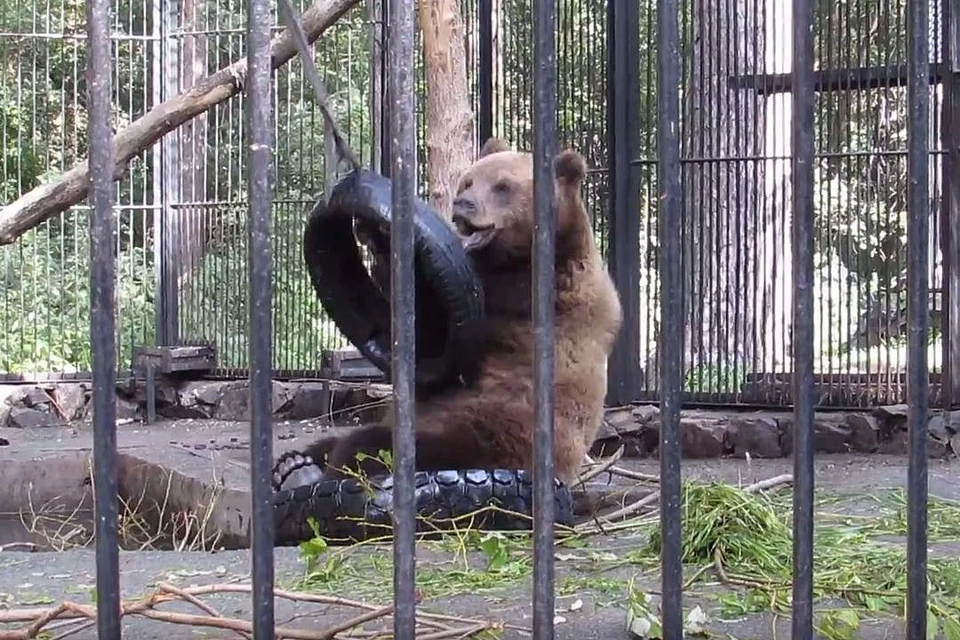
181, 206
766, 176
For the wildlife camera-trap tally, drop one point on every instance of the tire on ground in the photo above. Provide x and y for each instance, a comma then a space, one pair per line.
348, 511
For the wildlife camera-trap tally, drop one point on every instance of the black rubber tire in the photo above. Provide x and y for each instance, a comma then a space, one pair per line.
449, 299
347, 511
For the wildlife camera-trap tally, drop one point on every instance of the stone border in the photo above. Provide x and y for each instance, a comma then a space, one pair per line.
705, 433
717, 433
49, 404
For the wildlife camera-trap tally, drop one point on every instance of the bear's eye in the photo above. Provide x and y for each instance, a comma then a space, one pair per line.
466, 184
501, 187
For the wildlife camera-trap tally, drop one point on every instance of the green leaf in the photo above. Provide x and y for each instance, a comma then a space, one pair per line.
951, 628
933, 625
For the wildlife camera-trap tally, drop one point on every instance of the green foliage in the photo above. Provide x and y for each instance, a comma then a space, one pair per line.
859, 199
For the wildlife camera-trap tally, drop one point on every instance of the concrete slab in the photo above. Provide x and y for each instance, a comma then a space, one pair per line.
207, 455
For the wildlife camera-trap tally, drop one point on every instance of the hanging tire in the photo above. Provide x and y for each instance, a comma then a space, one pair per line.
348, 511
449, 294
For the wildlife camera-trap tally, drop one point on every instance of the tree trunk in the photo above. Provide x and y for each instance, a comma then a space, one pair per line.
450, 120
728, 273
193, 215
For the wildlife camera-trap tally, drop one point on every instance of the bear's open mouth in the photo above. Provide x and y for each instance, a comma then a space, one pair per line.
472, 237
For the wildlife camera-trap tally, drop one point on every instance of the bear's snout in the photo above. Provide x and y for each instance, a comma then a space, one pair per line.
464, 207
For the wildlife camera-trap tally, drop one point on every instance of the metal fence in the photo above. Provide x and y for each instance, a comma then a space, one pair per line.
674, 232
182, 230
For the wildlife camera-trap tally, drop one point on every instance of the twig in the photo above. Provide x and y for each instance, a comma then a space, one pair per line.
84, 616
769, 483
195, 601
600, 466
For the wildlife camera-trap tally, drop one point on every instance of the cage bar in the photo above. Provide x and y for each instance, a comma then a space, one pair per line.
544, 256
259, 112
103, 319
399, 69
672, 323
802, 134
918, 312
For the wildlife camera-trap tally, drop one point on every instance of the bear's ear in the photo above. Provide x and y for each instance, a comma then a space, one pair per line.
493, 145
570, 168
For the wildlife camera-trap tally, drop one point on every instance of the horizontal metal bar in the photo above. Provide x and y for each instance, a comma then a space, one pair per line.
853, 79
77, 36
827, 155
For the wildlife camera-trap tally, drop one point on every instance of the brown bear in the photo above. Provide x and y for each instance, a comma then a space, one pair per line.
490, 425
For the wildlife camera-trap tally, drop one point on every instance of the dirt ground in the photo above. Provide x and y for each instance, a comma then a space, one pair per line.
592, 580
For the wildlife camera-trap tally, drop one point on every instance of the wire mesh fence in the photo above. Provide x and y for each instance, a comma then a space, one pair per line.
45, 291
736, 105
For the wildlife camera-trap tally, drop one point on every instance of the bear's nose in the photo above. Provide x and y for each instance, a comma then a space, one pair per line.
463, 206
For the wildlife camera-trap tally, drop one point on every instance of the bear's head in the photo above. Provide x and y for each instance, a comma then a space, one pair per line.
494, 207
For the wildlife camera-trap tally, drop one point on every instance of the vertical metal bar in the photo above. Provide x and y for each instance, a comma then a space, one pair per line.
168, 327
158, 199
485, 64
802, 143
623, 141
671, 328
402, 297
386, 103
918, 315
544, 257
950, 205
103, 317
375, 16
259, 108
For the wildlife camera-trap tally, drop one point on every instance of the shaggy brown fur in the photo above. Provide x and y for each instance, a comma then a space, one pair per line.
491, 424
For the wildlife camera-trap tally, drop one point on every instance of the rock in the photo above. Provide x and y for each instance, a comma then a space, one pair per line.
234, 402
893, 411
200, 399
864, 432
622, 421
937, 428
831, 436
955, 444
897, 443
703, 438
211, 394
759, 437
38, 398
29, 418
72, 398
127, 409
606, 432
646, 413
309, 400
953, 422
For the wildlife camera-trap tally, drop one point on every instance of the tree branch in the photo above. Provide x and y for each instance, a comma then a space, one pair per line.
70, 188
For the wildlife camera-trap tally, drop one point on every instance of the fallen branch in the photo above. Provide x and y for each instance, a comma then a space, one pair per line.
42, 619
52, 198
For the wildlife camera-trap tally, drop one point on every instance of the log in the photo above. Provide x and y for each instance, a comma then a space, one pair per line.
52, 198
